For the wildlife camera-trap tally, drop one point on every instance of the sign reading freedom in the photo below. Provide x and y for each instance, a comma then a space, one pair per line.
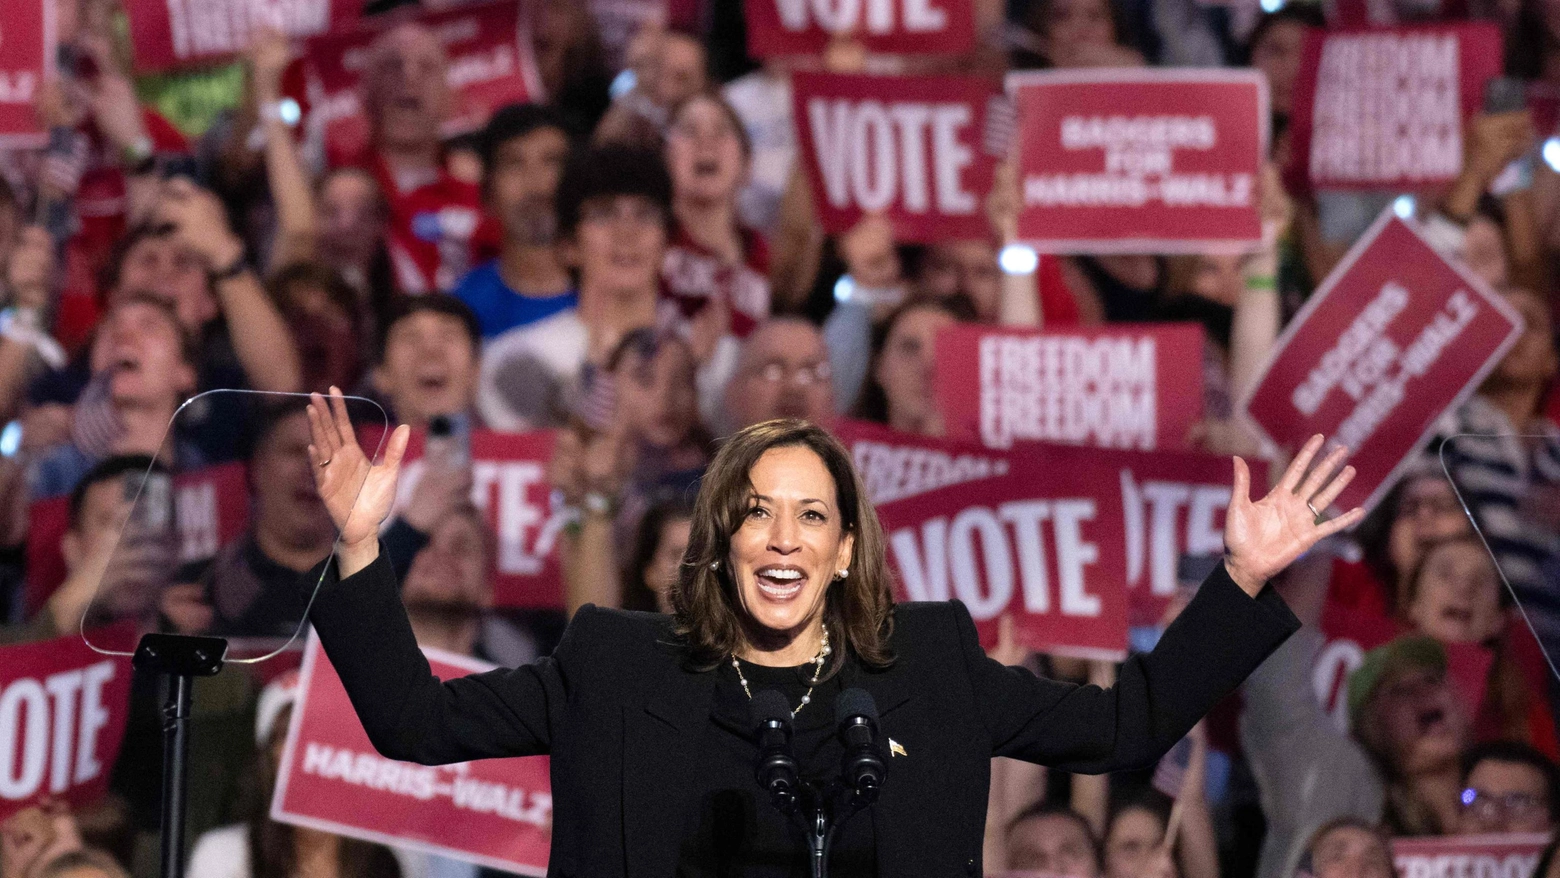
1393, 338
1134, 387
1510, 855
496, 812
1384, 108
182, 33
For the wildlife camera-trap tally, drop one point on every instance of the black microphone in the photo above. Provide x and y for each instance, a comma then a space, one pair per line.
862, 767
775, 767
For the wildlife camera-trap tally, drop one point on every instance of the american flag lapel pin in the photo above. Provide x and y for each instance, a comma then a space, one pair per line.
896, 749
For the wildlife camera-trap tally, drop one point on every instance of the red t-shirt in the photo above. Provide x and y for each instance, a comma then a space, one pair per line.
691, 275
102, 208
433, 226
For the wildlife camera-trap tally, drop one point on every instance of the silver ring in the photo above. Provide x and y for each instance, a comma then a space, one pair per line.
1313, 509
326, 462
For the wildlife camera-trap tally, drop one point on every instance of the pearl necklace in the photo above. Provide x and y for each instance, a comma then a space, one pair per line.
823, 653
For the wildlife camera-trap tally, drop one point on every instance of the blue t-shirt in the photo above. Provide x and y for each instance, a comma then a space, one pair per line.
499, 308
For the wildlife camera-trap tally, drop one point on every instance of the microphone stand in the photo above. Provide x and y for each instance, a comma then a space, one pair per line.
178, 659
817, 817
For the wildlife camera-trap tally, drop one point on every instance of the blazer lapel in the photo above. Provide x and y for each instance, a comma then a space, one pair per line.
661, 752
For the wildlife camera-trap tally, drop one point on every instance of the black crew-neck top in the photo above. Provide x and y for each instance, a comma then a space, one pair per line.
734, 829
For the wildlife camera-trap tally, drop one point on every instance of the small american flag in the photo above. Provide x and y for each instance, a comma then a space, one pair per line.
596, 404
1001, 123
1170, 774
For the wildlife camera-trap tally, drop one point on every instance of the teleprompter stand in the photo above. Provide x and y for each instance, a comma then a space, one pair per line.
178, 659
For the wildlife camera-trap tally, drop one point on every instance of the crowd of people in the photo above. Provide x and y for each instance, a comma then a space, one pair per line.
636, 265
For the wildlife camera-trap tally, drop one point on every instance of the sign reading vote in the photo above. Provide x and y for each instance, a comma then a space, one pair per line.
1140, 161
26, 60
62, 718
1072, 542
510, 486
910, 147
495, 812
1137, 387
1395, 336
1384, 108
804, 27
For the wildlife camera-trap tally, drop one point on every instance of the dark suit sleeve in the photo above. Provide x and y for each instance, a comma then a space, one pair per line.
408, 713
1221, 637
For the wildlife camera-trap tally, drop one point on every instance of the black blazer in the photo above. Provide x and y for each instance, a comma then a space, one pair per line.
623, 718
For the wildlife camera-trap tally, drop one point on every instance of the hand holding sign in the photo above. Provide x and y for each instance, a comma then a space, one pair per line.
357, 492
1262, 538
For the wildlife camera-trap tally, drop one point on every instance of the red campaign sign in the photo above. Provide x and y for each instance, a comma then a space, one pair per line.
1127, 386
494, 812
1393, 338
211, 509
1351, 633
914, 148
1140, 161
996, 529
62, 718
509, 484
167, 34
490, 65
26, 62
1509, 855
1384, 108
892, 27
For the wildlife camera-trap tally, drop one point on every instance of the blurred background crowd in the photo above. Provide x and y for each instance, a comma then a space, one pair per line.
635, 264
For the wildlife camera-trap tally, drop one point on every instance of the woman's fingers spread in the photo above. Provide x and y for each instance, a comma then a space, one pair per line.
338, 404
1342, 522
396, 449
1300, 464
1322, 472
323, 435
1334, 488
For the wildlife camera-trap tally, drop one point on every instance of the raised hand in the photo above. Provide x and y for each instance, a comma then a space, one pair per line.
358, 493
1264, 537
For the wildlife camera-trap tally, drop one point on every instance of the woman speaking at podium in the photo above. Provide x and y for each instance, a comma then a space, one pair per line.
785, 586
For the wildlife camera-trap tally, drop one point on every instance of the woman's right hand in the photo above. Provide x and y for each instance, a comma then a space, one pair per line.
357, 492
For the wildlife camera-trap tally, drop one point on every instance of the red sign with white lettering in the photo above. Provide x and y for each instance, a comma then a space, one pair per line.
167, 34
509, 484
210, 508
1384, 108
26, 61
1140, 161
1126, 386
490, 65
494, 812
62, 718
905, 27
921, 150
1511, 854
1393, 338
1076, 543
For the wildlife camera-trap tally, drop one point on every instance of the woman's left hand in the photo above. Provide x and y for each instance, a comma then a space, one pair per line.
1262, 538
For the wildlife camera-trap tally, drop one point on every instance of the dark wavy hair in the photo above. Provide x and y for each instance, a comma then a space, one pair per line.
858, 609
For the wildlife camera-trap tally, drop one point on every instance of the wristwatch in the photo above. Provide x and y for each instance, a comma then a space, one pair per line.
599, 503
